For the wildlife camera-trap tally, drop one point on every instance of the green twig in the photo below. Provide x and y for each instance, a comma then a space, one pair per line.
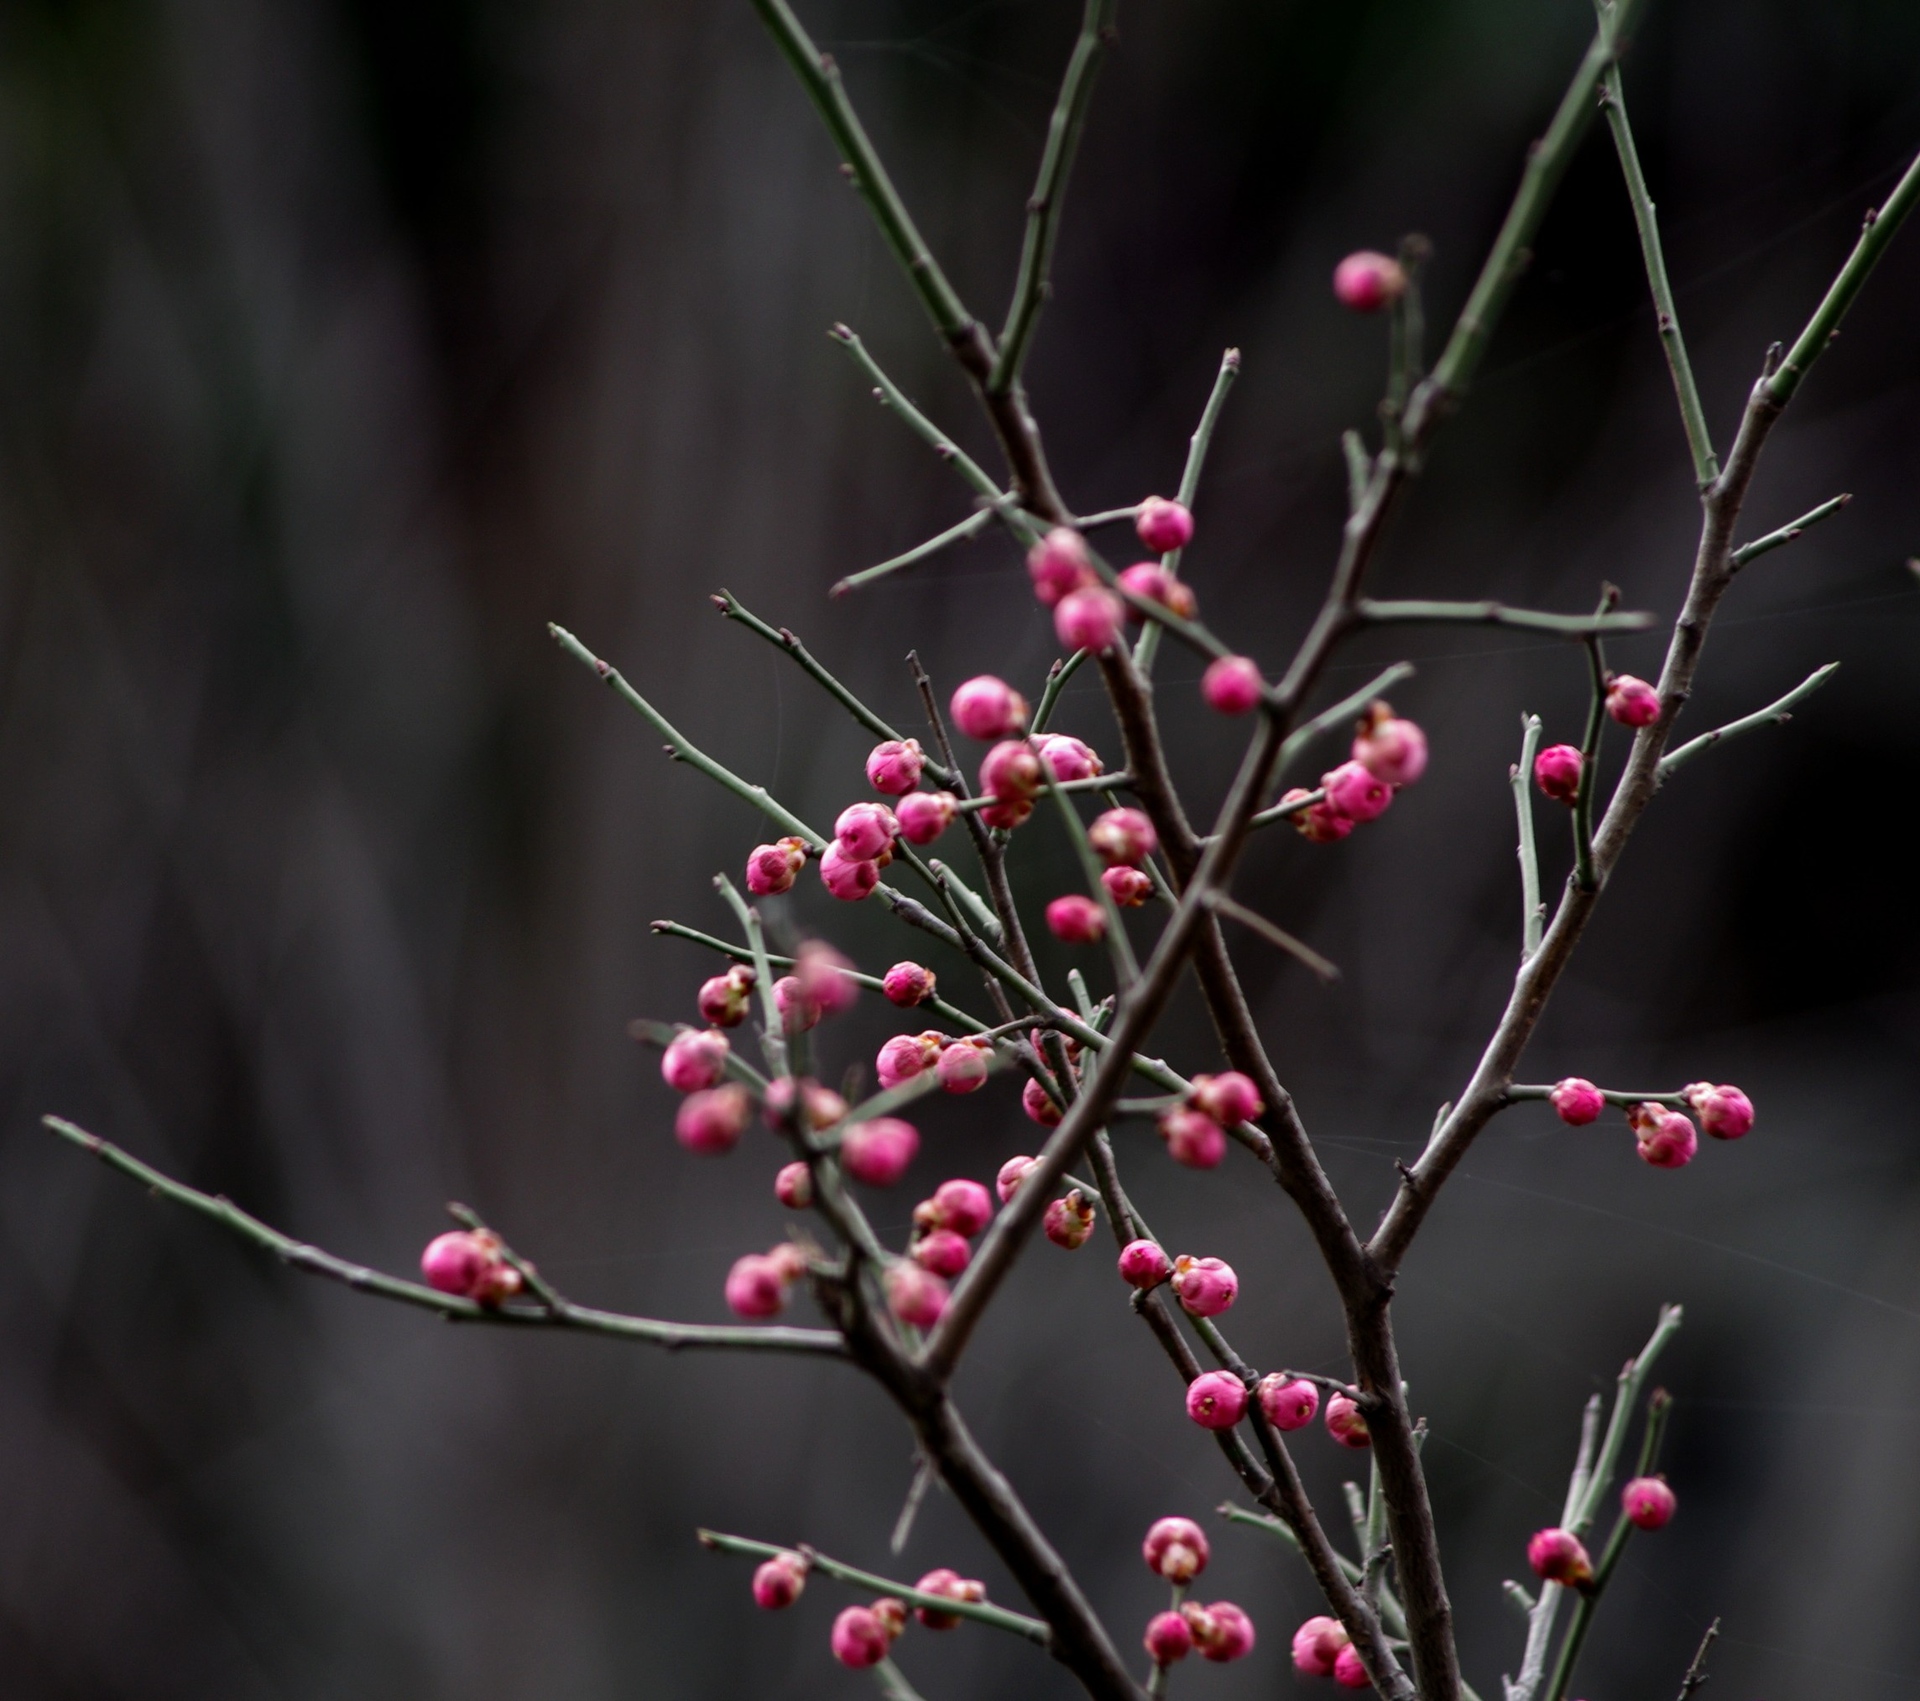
1057, 676
972, 526
1774, 714
892, 396
773, 1040
1126, 967
1376, 613
1786, 534
1344, 710
1274, 935
1533, 912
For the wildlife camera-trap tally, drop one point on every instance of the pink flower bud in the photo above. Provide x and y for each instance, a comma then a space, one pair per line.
1069, 1221
1667, 1139
456, 1263
1221, 1631
845, 877
1069, 759
1319, 823
778, 1582
1128, 887
890, 1615
1216, 1400
908, 984
988, 708
1167, 1639
1317, 1644
905, 1056
963, 1067
952, 1586
724, 999
756, 1286
1725, 1112
1006, 814
858, 1639
1144, 1265
916, 1296
793, 1186
1288, 1404
1058, 565
894, 767
1648, 1502
790, 1260
1011, 772
942, 1251
1176, 1548
1076, 920
1123, 837
773, 868
1151, 582
694, 1058
1039, 1105
1346, 1423
827, 977
798, 1012
1163, 526
713, 1120
1577, 1102
1206, 1286
1557, 1557
1192, 1139
1556, 770
864, 830
1229, 1098
1366, 282
963, 1206
1089, 618
925, 815
1349, 1670
879, 1151
822, 1105
1232, 685
1355, 793
1012, 1173
1632, 702
1390, 749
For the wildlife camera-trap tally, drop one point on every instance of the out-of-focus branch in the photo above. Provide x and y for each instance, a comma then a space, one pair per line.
1532, 911
1375, 613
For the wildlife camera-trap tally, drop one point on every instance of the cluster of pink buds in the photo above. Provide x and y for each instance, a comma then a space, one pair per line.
1176, 1549
1010, 775
1725, 1112
945, 1223
1205, 1287
817, 1106
962, 1065
949, 1585
758, 1282
1151, 582
1322, 1648
773, 868
862, 1635
1195, 1129
1365, 282
863, 835
470, 1264
1388, 752
1666, 1138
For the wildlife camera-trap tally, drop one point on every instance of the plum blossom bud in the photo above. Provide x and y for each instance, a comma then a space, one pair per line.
905, 1056
1221, 1631
1349, 1670
1123, 837
1232, 685
1389, 748
1216, 1399
916, 1296
1667, 1139
1068, 758
1038, 1103
1151, 582
908, 984
1365, 282
925, 815
1346, 1423
1725, 1112
798, 1012
1632, 702
1167, 1639
1012, 1173
756, 1286
822, 1106
1058, 565
941, 1251
724, 999
1006, 814
1556, 770
790, 1259
1163, 526
864, 830
1192, 1138
1577, 1102
987, 708
1317, 1644
1206, 1286
773, 868
1319, 823
1230, 1098
778, 1582
793, 1186
1011, 772
891, 1616
1089, 618
1176, 1549
1648, 1502
1355, 793
894, 767
1289, 1404
963, 1067
846, 877
1076, 920
694, 1058
1558, 1557
456, 1263
858, 1639
1069, 1221
713, 1120
961, 1205
879, 1151
1144, 1265
827, 977
1128, 887
953, 1587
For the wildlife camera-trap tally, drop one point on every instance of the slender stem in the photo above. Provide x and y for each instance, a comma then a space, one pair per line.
890, 395
1376, 613
1583, 875
1276, 936
1057, 677
1344, 710
1777, 713
1067, 788
1126, 967
1697, 1669
1614, 1096
1633, 1378
773, 1041
893, 1682
1786, 534
972, 526
536, 1284
1533, 912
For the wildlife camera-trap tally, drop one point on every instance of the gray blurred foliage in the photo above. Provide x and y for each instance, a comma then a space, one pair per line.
342, 344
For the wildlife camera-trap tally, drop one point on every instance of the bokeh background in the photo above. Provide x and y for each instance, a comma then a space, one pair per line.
344, 344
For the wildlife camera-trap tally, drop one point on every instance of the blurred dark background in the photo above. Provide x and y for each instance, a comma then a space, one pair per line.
344, 344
